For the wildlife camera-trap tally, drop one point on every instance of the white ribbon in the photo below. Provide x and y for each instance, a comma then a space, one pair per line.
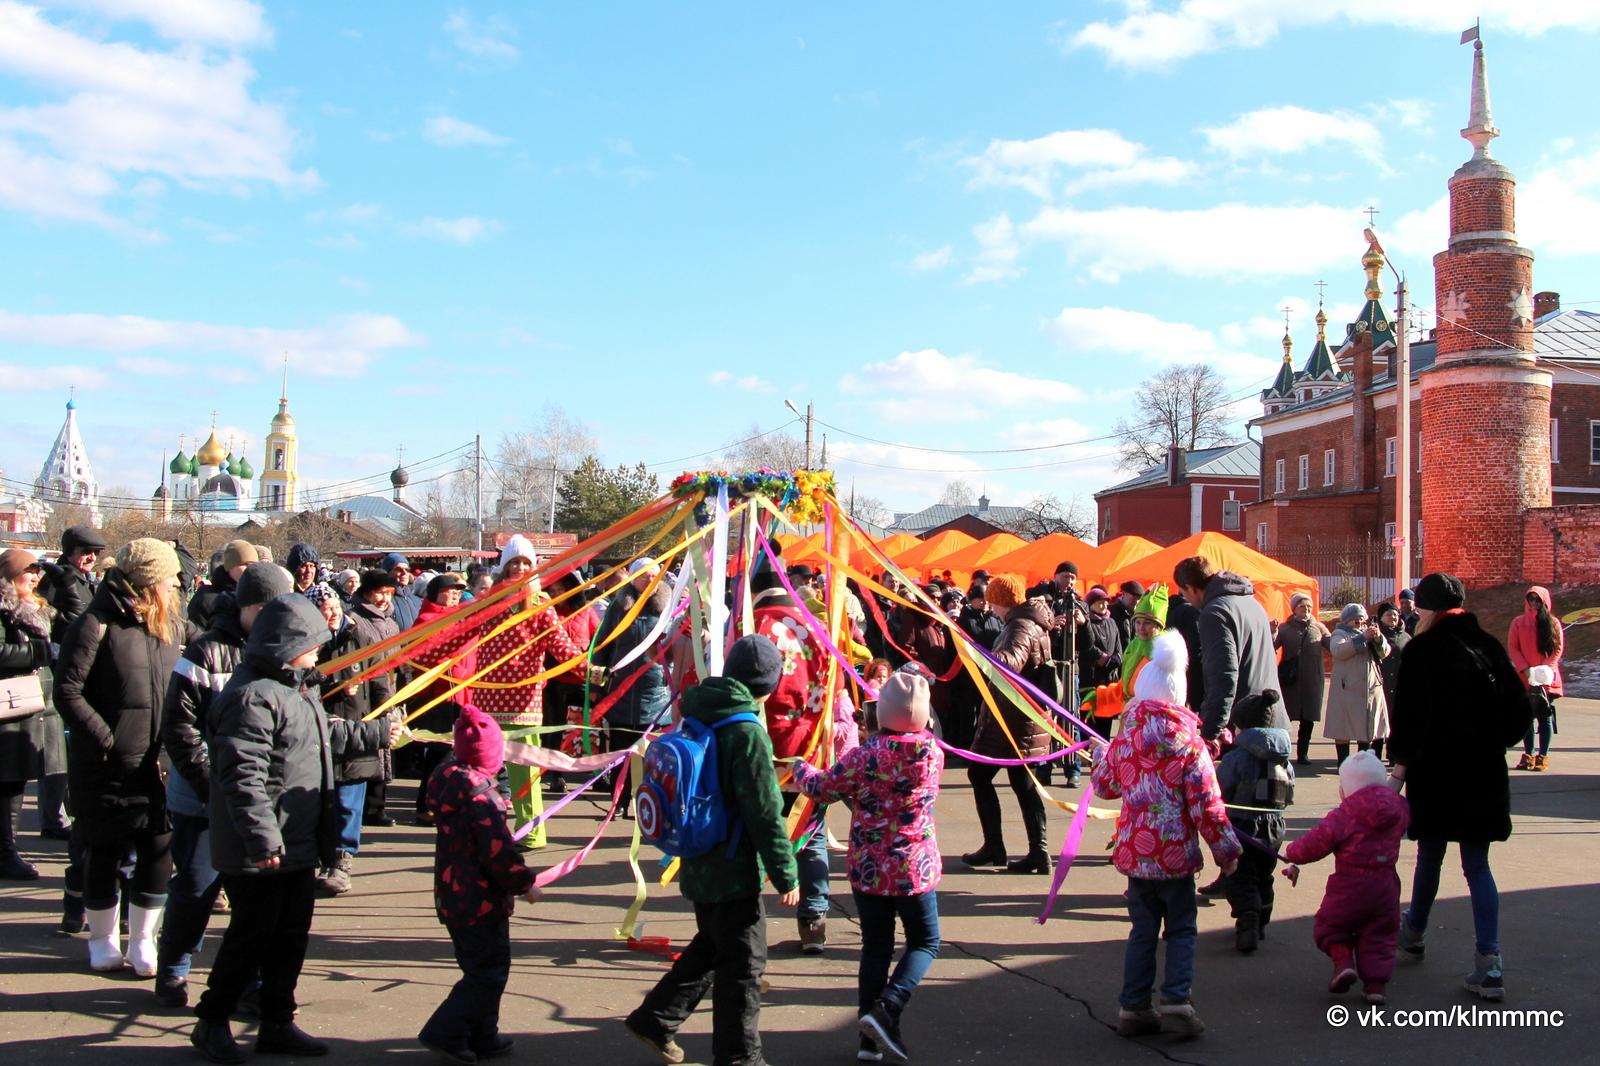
718, 594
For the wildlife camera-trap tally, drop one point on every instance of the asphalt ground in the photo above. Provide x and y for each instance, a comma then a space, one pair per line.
1004, 990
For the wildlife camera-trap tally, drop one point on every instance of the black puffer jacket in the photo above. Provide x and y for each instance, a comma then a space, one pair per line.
273, 749
1458, 705
1236, 651
68, 591
29, 746
202, 671
203, 604
111, 681
351, 704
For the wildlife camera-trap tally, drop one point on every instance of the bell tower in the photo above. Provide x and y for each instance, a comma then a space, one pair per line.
279, 479
1485, 402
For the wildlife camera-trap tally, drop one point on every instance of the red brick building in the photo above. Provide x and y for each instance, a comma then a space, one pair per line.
1198, 491
1505, 410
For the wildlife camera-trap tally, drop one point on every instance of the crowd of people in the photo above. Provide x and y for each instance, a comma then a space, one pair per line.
210, 765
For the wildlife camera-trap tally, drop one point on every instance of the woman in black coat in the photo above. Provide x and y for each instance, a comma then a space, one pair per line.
111, 679
1459, 705
31, 748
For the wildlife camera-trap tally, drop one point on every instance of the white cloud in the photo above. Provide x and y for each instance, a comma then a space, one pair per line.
448, 131
51, 378
343, 346
481, 38
149, 366
468, 229
228, 23
1288, 129
1102, 158
1097, 331
937, 259
1227, 240
998, 251
912, 384
744, 383
1151, 35
125, 110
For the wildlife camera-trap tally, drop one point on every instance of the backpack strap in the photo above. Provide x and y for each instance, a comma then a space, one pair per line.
736, 833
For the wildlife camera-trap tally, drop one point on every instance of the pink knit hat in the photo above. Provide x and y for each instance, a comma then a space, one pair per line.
479, 742
903, 703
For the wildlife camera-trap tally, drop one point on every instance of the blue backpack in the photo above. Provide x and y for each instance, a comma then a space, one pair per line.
680, 807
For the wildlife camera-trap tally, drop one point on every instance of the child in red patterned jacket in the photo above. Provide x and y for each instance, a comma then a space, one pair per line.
477, 876
1160, 768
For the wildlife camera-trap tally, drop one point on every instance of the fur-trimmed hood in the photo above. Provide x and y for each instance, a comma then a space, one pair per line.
35, 618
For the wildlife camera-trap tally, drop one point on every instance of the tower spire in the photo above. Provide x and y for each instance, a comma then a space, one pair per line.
1288, 341
283, 393
1480, 120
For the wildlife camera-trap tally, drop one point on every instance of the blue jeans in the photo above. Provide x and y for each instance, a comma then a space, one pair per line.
1543, 727
919, 915
1480, 884
1150, 905
190, 894
812, 860
352, 801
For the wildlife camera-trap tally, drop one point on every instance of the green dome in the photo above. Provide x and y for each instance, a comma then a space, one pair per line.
230, 465
179, 464
244, 469
194, 466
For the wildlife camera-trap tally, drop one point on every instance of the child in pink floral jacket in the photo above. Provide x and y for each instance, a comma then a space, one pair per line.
1160, 768
891, 782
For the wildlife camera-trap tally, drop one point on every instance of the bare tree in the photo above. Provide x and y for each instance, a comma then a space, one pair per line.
869, 509
1047, 514
1184, 405
527, 466
754, 449
958, 494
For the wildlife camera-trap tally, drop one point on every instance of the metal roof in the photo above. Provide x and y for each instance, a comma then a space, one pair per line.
940, 513
378, 511
1241, 460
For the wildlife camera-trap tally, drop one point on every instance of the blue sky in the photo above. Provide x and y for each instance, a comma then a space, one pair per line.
949, 226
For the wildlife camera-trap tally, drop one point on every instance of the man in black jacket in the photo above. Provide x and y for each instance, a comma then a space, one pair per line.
272, 821
200, 675
69, 583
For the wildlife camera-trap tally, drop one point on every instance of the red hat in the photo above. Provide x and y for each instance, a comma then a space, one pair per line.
479, 742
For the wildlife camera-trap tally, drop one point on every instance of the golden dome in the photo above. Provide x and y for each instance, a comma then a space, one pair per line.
211, 453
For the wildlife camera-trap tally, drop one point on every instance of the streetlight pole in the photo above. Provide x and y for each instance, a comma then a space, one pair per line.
809, 416
477, 478
1402, 444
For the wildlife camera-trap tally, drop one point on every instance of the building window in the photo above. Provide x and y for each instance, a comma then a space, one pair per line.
1330, 466
277, 459
1261, 537
1305, 472
1230, 515
1277, 478
1555, 440
1418, 544
1390, 453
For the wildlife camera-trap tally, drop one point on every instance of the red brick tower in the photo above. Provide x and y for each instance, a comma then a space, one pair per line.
1485, 403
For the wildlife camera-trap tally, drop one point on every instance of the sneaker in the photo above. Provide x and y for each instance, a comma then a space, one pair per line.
648, 1035
813, 935
1179, 1016
1138, 1021
1373, 993
335, 880
1410, 939
868, 1051
1486, 981
172, 991
1541, 763
882, 1027
1524, 763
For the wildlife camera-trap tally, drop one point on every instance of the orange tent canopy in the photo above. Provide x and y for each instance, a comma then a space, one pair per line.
915, 560
977, 556
900, 542
1112, 556
1037, 561
1275, 583
816, 544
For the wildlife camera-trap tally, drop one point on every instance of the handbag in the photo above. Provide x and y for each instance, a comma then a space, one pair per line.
21, 697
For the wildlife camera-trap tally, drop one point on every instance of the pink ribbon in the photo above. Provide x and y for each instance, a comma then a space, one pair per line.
552, 874
1069, 852
972, 756
817, 629
551, 810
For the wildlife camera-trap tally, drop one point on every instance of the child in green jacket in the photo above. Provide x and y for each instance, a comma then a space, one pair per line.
729, 951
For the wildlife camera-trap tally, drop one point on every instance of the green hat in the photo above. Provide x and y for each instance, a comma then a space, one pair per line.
1153, 605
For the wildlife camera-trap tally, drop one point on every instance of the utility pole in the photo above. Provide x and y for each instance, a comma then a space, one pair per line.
1402, 444
477, 481
809, 416
555, 478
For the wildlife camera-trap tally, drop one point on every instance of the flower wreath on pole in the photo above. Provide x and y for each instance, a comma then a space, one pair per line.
801, 494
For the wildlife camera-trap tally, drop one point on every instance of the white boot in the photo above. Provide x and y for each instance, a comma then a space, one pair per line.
142, 923
105, 939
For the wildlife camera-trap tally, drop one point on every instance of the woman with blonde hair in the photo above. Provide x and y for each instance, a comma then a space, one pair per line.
111, 679
31, 748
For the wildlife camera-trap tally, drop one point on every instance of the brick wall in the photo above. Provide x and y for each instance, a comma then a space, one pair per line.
1480, 205
1487, 433
1487, 277
1561, 545
1574, 406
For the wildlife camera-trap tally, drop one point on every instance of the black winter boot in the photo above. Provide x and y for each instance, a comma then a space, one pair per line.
13, 867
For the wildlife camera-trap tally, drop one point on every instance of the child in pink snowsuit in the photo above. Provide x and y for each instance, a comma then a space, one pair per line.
1359, 919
